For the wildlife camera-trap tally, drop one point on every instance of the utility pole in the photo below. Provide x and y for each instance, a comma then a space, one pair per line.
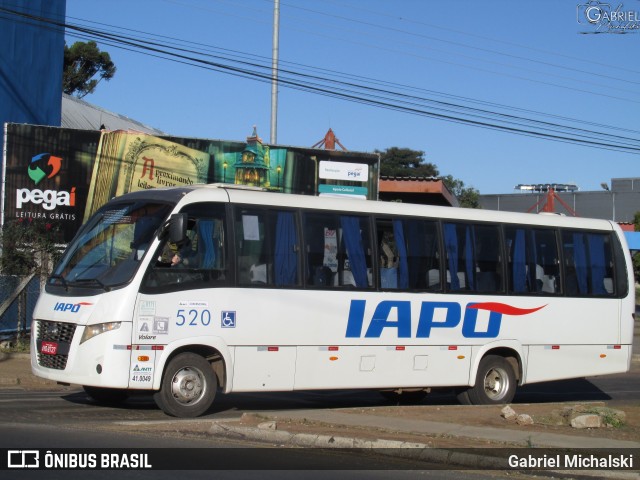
274, 73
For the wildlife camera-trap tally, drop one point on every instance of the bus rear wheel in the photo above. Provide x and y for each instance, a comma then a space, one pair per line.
495, 383
188, 386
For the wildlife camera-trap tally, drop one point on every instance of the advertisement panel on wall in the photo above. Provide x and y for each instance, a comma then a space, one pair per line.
61, 176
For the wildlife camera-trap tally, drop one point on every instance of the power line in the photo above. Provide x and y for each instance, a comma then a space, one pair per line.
316, 32
590, 61
358, 92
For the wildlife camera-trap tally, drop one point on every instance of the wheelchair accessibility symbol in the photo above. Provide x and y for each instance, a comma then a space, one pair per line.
228, 320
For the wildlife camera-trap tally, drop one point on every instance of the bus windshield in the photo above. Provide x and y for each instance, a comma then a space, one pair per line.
108, 249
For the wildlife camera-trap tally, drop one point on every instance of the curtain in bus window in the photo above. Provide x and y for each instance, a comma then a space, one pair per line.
451, 245
597, 263
286, 258
519, 267
580, 261
532, 262
416, 235
469, 257
355, 251
206, 248
403, 267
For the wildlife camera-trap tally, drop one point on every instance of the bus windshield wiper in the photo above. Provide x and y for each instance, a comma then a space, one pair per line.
88, 281
65, 284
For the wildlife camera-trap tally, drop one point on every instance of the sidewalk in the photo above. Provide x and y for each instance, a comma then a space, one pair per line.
327, 428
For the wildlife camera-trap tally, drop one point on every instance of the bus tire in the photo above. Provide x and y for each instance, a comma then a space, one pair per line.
462, 394
188, 386
495, 382
106, 396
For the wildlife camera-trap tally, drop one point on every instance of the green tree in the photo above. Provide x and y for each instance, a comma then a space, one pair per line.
468, 197
84, 67
403, 162
28, 246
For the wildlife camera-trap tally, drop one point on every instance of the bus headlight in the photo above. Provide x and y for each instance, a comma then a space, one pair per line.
91, 331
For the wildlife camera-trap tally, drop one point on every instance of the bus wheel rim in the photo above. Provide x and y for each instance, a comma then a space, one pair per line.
188, 386
496, 383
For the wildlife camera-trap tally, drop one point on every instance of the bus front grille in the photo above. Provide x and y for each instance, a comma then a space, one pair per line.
57, 333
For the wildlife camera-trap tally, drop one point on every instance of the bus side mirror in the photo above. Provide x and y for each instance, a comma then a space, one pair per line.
178, 227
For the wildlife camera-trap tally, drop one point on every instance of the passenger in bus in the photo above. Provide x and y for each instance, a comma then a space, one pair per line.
389, 260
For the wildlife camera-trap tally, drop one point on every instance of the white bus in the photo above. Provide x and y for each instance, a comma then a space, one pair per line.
187, 292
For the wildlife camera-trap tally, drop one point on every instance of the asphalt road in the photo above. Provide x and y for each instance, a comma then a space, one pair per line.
65, 424
58, 419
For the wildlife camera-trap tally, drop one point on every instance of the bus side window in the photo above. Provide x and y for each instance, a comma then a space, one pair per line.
389, 260
474, 260
588, 263
267, 247
533, 260
338, 249
408, 254
200, 261
321, 248
488, 259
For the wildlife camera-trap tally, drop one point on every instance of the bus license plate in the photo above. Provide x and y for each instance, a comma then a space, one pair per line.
49, 348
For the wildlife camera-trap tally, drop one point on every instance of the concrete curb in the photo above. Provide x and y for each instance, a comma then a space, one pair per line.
408, 450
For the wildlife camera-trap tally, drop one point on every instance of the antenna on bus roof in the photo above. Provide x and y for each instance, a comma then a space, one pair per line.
233, 186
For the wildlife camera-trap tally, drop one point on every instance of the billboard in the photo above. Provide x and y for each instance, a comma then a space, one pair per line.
61, 176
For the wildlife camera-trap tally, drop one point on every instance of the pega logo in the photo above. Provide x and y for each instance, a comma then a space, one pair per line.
50, 199
37, 171
355, 173
449, 316
69, 307
37, 174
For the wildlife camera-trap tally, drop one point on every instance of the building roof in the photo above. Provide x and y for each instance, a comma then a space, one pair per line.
425, 190
81, 115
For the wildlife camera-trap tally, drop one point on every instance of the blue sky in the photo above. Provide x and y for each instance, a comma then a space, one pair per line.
522, 58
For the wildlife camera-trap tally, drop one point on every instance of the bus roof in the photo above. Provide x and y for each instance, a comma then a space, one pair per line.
259, 196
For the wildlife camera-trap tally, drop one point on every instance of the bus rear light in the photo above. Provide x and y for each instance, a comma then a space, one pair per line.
333, 349
273, 349
453, 347
400, 348
555, 347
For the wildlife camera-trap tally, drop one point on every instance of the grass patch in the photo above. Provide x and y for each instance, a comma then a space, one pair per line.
610, 417
15, 345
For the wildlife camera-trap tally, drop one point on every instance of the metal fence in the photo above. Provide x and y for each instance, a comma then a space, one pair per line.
18, 297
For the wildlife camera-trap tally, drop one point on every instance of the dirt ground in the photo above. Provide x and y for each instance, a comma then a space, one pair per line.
546, 418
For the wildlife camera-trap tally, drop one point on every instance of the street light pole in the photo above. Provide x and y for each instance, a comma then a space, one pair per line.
274, 72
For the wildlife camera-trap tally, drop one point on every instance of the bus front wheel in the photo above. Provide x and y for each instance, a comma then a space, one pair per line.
495, 383
188, 386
